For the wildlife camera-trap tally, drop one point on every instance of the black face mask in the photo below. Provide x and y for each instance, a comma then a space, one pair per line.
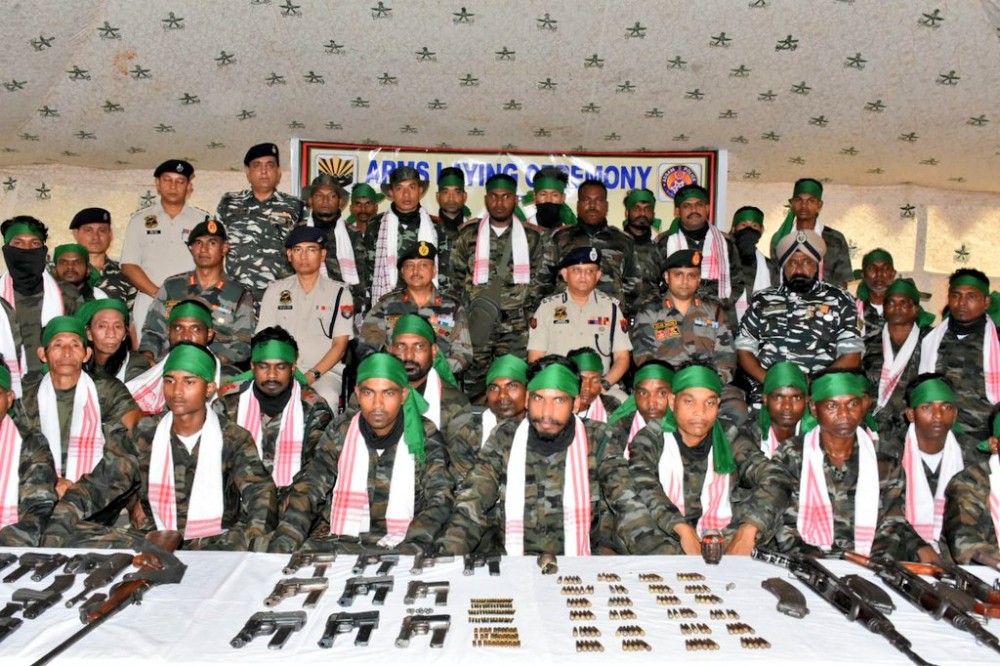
272, 405
26, 268
746, 242
548, 215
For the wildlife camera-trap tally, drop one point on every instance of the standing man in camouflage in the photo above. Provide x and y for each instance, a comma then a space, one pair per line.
154, 247
811, 323
273, 403
441, 308
965, 349
877, 273
452, 214
405, 223
501, 266
364, 206
231, 303
552, 483
640, 224
756, 269
355, 505
972, 505
258, 220
71, 269
91, 228
805, 206
548, 193
619, 268
345, 247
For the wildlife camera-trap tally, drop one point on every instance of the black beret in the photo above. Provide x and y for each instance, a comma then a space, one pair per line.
88, 215
210, 227
683, 259
174, 166
418, 250
261, 150
304, 234
581, 255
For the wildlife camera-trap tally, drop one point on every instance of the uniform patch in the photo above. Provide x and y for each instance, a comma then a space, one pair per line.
661, 334
560, 316
599, 321
346, 311
151, 222
624, 325
390, 321
285, 298
445, 321
673, 331
659, 325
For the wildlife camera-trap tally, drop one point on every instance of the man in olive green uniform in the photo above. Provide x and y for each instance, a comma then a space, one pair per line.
972, 506
641, 224
452, 214
877, 273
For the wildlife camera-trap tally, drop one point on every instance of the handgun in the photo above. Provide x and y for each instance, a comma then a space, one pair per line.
345, 623
421, 562
37, 601
289, 587
473, 562
9, 624
436, 625
266, 623
418, 589
301, 559
387, 561
381, 585
40, 564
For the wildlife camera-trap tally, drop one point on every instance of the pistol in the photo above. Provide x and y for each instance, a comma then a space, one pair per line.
473, 562
300, 559
289, 587
266, 623
40, 564
382, 585
8, 624
421, 562
345, 623
436, 625
388, 560
37, 602
102, 574
6, 559
85, 562
418, 589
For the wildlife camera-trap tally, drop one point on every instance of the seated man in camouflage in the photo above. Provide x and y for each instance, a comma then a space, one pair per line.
552, 483
27, 476
592, 403
273, 403
649, 401
195, 472
77, 413
380, 475
71, 269
414, 342
443, 309
107, 322
786, 395
506, 394
846, 496
971, 528
694, 481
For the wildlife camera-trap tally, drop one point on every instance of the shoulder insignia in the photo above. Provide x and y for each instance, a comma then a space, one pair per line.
346, 311
624, 325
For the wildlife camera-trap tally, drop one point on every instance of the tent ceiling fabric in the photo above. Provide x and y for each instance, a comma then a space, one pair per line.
860, 92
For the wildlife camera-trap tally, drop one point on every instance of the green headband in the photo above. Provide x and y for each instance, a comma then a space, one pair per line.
90, 308
903, 288
501, 184
748, 215
637, 196
875, 255
696, 376
190, 311
74, 248
415, 325
970, 281
785, 374
691, 193
364, 191
558, 377
807, 186
802, 187
273, 350
509, 366
4, 377
648, 371
451, 180
547, 183
189, 358
588, 362
386, 366
19, 228
932, 390
838, 383
63, 324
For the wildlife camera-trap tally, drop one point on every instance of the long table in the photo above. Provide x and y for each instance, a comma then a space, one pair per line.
193, 622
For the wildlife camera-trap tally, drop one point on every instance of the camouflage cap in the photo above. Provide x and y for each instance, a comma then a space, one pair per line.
210, 227
402, 174
325, 180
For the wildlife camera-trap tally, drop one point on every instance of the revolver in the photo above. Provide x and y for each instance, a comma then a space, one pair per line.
436, 625
40, 564
388, 560
421, 562
345, 623
266, 623
382, 585
37, 602
289, 587
419, 589
473, 562
300, 559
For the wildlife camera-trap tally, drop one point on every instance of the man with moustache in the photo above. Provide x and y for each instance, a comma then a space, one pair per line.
91, 228
452, 214
640, 224
364, 206
877, 273
506, 393
649, 401
71, 269
345, 247
758, 270
811, 323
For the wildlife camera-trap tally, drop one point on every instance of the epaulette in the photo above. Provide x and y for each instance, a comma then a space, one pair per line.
560, 294
470, 221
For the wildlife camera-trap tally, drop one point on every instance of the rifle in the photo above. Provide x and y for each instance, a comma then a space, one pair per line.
924, 595
157, 565
823, 582
960, 579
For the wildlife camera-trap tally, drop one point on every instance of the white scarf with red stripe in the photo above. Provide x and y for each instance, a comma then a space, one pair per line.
597, 411
13, 357
638, 423
770, 445
52, 301
385, 274
815, 519
894, 365
147, 388
432, 394
345, 252
86, 438
10, 463
519, 252
923, 510
575, 497
991, 355
995, 493
288, 446
205, 501
716, 510
350, 511
714, 257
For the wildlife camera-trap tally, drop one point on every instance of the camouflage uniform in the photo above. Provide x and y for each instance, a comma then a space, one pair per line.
459, 430
36, 492
308, 510
837, 259
358, 291
874, 321
25, 317
893, 535
114, 283
233, 316
516, 302
647, 257
249, 499
316, 415
758, 491
662, 332
620, 276
445, 313
812, 330
968, 525
891, 419
257, 231
75, 296
447, 232
619, 522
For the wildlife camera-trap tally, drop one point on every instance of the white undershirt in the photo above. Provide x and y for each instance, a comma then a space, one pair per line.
189, 441
878, 308
932, 460
499, 231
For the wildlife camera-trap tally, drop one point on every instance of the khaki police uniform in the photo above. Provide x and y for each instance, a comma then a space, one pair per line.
560, 325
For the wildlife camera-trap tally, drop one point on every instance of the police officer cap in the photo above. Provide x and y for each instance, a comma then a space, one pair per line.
261, 150
418, 250
88, 215
804, 240
325, 180
210, 227
174, 166
581, 255
304, 234
683, 259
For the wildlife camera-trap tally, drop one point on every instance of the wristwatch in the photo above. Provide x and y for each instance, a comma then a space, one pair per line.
316, 374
